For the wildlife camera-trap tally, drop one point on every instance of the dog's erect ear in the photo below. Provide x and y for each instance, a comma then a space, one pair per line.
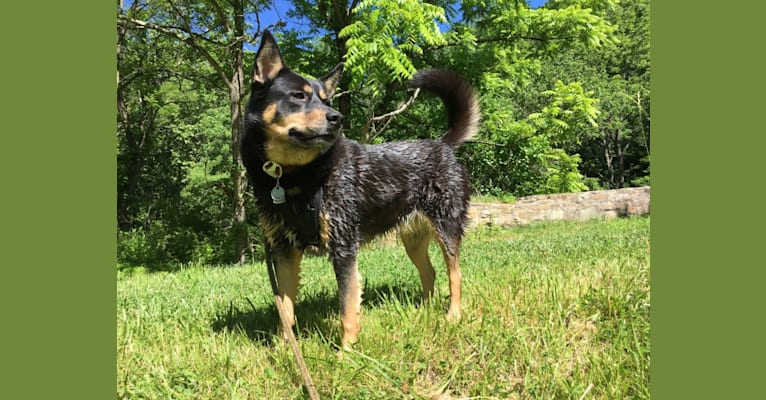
268, 60
332, 80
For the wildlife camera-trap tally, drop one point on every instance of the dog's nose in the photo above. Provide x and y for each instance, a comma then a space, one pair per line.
334, 117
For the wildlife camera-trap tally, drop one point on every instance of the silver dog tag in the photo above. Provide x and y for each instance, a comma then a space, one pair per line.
275, 171
278, 194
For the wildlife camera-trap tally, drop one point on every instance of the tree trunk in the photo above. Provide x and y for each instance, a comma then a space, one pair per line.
239, 182
620, 162
134, 152
238, 178
181, 29
608, 158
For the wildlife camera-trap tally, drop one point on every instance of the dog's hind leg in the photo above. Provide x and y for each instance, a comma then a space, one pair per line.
416, 235
449, 237
288, 260
455, 280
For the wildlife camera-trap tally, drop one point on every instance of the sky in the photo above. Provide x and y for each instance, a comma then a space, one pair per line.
281, 7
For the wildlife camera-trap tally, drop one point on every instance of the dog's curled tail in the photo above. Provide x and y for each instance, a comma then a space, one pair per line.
459, 99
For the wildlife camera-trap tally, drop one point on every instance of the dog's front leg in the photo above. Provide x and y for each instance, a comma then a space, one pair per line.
350, 296
288, 261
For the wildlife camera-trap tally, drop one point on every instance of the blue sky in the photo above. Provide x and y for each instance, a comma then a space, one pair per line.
281, 7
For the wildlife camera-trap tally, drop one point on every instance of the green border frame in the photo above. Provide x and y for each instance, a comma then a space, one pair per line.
58, 160
707, 80
58, 156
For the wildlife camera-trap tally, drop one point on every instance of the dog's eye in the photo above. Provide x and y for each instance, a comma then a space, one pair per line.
299, 96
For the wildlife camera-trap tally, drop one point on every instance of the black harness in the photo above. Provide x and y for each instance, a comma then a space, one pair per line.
301, 214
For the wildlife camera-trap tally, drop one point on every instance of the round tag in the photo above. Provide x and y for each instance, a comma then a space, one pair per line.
278, 195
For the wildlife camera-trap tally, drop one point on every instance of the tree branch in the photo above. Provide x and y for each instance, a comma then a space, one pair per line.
508, 38
221, 16
370, 131
399, 110
172, 32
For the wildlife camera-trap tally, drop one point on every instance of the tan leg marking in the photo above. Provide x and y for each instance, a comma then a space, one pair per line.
288, 279
455, 281
352, 310
416, 245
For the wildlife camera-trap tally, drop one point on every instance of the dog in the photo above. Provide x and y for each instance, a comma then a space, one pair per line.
315, 188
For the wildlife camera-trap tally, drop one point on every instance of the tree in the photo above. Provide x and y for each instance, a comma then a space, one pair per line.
174, 158
529, 128
381, 42
213, 33
616, 152
144, 64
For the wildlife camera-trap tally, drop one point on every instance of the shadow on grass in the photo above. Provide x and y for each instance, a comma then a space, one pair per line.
316, 314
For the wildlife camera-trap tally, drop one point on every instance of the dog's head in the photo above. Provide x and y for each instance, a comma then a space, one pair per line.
293, 113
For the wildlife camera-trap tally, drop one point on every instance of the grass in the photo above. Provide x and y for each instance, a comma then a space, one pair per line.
554, 310
486, 198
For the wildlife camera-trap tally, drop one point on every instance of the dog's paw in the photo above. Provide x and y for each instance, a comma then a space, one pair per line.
453, 315
340, 351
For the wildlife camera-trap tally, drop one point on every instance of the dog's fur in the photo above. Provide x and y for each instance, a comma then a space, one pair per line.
417, 186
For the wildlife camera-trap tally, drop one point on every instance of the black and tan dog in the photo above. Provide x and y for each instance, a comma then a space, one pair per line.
314, 187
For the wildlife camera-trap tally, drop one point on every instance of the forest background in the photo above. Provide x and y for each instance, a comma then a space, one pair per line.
564, 92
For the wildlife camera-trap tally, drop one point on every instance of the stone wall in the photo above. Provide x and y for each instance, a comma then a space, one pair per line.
566, 206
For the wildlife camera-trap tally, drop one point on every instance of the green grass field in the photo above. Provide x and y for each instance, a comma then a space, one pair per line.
550, 311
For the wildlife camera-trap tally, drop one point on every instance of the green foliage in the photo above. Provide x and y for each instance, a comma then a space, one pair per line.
162, 247
179, 201
527, 156
572, 74
384, 36
560, 124
580, 20
616, 151
570, 112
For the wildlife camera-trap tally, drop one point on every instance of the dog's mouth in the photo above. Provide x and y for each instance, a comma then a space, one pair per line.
322, 138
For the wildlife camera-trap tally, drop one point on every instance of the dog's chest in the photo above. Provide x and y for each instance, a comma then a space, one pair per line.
297, 219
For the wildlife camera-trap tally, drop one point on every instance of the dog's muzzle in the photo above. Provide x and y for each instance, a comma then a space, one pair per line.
323, 136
